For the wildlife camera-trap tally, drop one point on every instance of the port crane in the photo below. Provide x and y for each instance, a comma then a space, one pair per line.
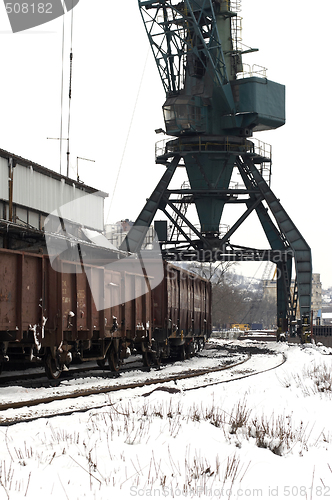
211, 111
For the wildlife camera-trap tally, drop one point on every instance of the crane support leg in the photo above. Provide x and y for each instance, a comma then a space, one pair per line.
285, 311
134, 239
300, 248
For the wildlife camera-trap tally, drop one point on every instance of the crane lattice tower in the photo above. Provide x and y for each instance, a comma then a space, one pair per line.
211, 111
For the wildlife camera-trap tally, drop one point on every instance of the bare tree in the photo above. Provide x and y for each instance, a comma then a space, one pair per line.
232, 303
212, 271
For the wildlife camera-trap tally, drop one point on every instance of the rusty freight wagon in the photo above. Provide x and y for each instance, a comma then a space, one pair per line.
50, 315
182, 312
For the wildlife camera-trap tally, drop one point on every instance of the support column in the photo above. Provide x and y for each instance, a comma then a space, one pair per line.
134, 239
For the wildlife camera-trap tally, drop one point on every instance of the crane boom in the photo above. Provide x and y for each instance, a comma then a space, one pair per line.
179, 30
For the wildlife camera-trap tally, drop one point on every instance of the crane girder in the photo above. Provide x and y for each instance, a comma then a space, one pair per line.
178, 31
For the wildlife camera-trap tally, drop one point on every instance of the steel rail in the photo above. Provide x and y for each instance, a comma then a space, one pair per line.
104, 390
5, 379
90, 392
284, 359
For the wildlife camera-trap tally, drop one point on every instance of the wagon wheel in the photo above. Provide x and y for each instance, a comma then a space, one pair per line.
53, 369
182, 352
152, 358
101, 362
147, 359
190, 350
113, 360
156, 355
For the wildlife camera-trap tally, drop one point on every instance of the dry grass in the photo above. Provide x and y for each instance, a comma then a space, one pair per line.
124, 446
314, 379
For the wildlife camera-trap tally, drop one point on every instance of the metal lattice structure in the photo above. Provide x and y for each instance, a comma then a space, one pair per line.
176, 30
211, 113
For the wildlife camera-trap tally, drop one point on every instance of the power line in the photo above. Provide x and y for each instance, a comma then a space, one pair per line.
62, 76
70, 83
128, 134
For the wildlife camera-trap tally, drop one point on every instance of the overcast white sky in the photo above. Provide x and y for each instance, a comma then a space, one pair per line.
110, 51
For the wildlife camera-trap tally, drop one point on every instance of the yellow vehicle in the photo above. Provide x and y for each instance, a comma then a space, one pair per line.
241, 326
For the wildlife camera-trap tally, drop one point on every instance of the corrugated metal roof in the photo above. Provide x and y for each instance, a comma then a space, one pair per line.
50, 173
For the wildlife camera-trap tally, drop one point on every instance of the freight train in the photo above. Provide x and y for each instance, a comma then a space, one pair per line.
63, 291
49, 314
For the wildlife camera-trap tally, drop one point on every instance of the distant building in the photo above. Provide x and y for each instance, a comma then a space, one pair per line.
115, 233
270, 291
327, 318
316, 296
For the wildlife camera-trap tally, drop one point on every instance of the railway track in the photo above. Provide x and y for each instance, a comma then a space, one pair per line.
28, 375
97, 394
39, 374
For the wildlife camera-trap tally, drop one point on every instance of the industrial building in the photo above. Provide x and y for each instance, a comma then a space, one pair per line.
270, 291
29, 193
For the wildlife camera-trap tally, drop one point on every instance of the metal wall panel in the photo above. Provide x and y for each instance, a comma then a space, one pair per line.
43, 193
21, 215
34, 219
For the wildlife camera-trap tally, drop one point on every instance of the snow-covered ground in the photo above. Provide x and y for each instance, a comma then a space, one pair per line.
265, 436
